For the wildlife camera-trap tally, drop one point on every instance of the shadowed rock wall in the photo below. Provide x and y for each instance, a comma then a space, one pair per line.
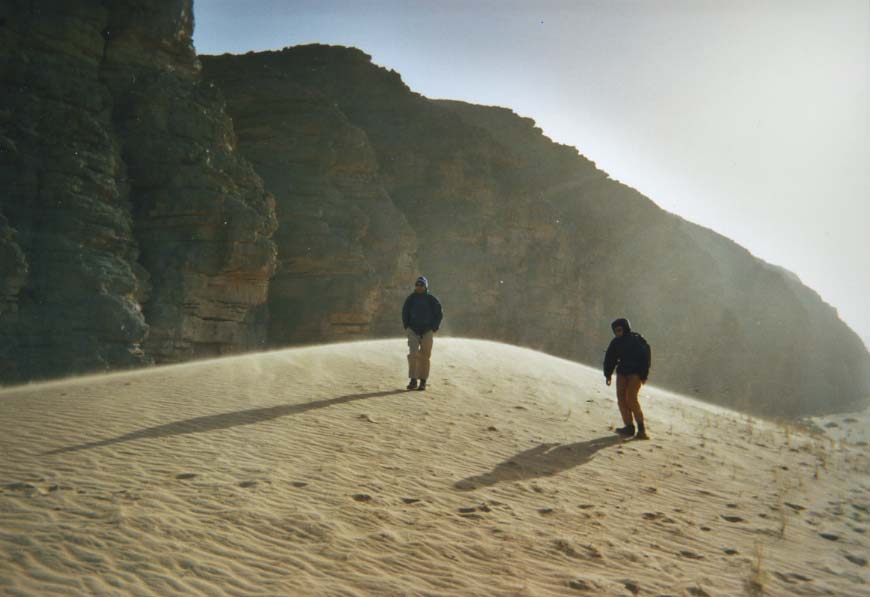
526, 241
129, 230
345, 252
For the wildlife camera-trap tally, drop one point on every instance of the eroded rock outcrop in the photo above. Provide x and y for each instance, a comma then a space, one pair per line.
345, 252
125, 205
59, 168
526, 241
202, 218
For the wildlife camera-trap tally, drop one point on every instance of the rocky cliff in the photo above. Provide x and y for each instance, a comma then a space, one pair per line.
524, 240
130, 230
154, 211
345, 252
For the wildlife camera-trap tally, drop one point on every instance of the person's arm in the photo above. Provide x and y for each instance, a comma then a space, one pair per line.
437, 313
406, 313
610, 358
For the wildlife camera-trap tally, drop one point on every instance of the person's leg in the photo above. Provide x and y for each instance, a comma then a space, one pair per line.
621, 384
413, 354
632, 389
425, 354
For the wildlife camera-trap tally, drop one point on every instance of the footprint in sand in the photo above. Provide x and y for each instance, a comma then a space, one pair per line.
247, 484
592, 552
470, 509
730, 552
299, 484
362, 497
697, 592
857, 560
829, 536
410, 500
795, 507
582, 585
185, 476
21, 487
691, 555
732, 518
565, 547
791, 577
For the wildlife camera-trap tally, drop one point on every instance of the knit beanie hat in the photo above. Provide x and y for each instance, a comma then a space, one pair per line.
422, 280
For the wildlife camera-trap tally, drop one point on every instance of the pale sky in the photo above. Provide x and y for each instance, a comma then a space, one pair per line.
750, 118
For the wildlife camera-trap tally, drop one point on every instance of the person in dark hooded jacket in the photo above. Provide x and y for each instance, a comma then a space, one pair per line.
421, 316
631, 356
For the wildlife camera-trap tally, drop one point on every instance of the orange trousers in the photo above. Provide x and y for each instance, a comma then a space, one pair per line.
627, 389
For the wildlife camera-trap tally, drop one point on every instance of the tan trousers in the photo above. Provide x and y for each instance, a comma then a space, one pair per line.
419, 353
627, 389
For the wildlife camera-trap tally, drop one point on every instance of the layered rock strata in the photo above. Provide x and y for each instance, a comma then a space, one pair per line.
202, 218
527, 242
130, 231
345, 252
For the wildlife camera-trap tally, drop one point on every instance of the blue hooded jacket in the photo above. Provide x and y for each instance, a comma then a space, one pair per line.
422, 312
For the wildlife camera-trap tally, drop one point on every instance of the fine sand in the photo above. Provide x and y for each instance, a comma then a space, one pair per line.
312, 472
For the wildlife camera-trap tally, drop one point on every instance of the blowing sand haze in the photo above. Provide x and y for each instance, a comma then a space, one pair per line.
312, 472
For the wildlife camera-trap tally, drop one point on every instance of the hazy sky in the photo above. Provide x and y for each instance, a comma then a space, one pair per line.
750, 118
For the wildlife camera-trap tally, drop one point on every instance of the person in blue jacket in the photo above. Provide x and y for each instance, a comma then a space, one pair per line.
421, 317
631, 356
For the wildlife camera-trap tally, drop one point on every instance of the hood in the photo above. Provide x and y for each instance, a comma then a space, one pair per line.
622, 321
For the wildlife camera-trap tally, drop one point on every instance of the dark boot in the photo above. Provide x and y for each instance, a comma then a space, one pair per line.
626, 431
412, 385
641, 433
422, 385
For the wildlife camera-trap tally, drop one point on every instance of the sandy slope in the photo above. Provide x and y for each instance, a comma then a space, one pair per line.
305, 472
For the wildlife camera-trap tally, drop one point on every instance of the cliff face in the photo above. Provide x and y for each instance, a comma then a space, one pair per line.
524, 240
345, 252
130, 231
133, 231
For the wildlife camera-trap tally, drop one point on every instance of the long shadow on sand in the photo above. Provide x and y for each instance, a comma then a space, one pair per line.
224, 421
541, 461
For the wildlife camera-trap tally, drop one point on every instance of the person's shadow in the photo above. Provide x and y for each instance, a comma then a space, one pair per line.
223, 421
541, 461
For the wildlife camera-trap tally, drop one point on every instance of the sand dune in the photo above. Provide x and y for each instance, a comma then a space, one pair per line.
310, 472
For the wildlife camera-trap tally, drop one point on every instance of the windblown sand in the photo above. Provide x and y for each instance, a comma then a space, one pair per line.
312, 472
